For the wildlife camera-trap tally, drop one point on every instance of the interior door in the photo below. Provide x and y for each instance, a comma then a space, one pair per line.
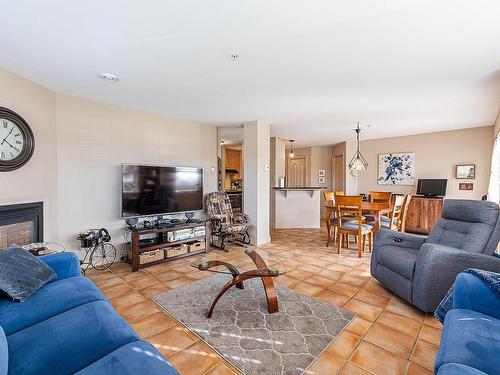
338, 182
297, 172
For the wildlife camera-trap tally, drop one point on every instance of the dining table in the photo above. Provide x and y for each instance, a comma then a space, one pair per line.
376, 209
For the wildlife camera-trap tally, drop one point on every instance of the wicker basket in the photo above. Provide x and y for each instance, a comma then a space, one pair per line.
174, 251
149, 256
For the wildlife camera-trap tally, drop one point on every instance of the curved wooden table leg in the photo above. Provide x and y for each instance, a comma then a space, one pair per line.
214, 263
272, 296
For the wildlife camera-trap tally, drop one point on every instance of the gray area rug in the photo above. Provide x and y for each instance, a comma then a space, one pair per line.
242, 331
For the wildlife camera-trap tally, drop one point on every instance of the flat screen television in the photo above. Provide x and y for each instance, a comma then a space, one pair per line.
149, 190
432, 187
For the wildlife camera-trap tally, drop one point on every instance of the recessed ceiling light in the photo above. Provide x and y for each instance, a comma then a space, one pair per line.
235, 56
109, 77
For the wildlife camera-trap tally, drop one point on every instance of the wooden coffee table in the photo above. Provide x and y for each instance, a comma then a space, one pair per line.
255, 263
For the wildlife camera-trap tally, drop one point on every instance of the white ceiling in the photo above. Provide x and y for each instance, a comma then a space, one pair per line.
312, 68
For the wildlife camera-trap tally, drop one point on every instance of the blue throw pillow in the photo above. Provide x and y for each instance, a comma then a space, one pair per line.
22, 274
4, 353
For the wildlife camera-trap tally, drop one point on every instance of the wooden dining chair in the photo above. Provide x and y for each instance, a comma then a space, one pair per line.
401, 222
330, 218
350, 206
379, 197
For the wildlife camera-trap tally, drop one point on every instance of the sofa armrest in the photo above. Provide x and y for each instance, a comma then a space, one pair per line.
436, 269
64, 264
471, 293
394, 238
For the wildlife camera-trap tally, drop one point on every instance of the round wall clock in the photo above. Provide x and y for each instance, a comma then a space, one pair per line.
17, 142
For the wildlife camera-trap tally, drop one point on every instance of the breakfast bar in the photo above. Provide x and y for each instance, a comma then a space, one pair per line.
297, 207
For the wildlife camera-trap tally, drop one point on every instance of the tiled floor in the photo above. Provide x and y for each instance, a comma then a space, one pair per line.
388, 336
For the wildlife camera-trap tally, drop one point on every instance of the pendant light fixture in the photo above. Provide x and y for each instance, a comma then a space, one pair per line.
291, 150
358, 162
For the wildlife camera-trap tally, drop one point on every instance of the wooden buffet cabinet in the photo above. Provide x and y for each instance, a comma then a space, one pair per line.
423, 213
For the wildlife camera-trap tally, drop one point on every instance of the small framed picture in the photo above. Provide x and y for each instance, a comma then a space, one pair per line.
321, 180
465, 186
321, 173
466, 171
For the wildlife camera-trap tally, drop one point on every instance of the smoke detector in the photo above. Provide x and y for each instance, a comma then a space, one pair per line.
109, 77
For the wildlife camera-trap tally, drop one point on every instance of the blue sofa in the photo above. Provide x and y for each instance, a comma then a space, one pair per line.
470, 342
68, 327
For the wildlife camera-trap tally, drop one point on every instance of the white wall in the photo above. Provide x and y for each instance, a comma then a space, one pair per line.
80, 146
37, 180
95, 138
436, 155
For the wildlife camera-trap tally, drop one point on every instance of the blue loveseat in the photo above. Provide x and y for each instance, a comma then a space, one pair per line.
470, 342
68, 327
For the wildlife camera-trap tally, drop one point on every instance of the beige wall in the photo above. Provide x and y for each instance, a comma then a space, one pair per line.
436, 155
80, 146
496, 130
321, 158
37, 180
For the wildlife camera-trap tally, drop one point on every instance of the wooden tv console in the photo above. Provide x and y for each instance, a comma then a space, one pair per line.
423, 213
161, 241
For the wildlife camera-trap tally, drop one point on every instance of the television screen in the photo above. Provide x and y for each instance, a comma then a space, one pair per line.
432, 187
152, 190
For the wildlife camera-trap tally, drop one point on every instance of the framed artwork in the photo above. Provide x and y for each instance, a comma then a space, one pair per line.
321, 173
396, 169
466, 171
321, 180
465, 186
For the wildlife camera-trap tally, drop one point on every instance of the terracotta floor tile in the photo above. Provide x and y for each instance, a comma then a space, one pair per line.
320, 280
109, 283
100, 276
344, 289
154, 289
332, 298
171, 341
359, 326
117, 290
362, 309
377, 360
222, 369
168, 275
197, 359
351, 280
134, 276
372, 298
400, 307
287, 281
430, 334
351, 369
332, 275
126, 300
339, 268
327, 363
424, 354
403, 324
390, 339
344, 344
308, 289
153, 324
143, 282
414, 369
119, 268
139, 311
373, 286
299, 275
178, 282
432, 321
156, 269
310, 268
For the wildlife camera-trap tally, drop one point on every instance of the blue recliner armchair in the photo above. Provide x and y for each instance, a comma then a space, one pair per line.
421, 269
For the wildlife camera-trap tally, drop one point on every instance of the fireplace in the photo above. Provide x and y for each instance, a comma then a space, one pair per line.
21, 224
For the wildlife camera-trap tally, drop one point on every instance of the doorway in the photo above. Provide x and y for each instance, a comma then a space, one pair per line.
297, 172
338, 166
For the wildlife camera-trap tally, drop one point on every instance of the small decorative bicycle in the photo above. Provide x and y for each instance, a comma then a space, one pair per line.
99, 252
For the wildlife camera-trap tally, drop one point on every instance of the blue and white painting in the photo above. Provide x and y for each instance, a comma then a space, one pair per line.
396, 169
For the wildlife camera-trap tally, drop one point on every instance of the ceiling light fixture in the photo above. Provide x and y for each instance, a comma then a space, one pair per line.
109, 77
358, 162
235, 56
291, 144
